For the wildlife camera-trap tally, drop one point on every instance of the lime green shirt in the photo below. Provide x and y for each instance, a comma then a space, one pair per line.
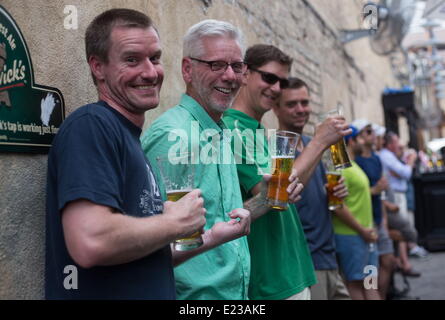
358, 201
281, 261
223, 272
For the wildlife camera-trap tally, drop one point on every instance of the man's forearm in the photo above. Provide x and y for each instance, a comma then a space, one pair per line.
347, 218
257, 206
308, 160
105, 238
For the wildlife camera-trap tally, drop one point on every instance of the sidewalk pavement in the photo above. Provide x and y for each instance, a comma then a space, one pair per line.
431, 285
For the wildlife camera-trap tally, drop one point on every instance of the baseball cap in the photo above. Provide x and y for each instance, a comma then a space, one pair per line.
360, 124
354, 133
379, 130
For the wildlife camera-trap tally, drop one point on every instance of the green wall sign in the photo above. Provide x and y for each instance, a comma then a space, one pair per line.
30, 114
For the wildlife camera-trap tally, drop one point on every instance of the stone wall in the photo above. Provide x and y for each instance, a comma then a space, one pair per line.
307, 30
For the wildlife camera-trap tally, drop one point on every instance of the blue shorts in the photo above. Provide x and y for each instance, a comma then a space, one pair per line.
353, 255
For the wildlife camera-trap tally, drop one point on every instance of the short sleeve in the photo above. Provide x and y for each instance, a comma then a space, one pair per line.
252, 161
88, 163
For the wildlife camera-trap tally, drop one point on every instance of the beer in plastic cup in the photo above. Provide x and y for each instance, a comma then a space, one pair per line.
339, 154
178, 176
282, 146
333, 177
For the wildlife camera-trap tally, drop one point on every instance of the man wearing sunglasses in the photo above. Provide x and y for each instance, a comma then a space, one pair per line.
293, 113
276, 236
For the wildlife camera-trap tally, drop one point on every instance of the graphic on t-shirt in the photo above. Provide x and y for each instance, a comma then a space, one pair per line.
151, 201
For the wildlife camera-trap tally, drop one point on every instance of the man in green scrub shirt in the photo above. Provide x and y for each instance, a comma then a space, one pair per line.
212, 69
281, 262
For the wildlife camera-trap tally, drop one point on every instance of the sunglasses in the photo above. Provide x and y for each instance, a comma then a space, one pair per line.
271, 78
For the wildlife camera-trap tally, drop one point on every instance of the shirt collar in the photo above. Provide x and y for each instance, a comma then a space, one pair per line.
199, 113
245, 120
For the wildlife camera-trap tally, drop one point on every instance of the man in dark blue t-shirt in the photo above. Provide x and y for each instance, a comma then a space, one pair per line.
105, 235
293, 113
372, 166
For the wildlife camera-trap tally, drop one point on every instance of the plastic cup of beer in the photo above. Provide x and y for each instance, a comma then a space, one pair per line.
339, 154
282, 148
333, 177
178, 176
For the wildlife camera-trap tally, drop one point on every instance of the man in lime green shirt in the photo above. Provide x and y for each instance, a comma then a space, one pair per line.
281, 262
353, 227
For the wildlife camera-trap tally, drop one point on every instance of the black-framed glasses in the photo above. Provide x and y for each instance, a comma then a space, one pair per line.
221, 66
271, 78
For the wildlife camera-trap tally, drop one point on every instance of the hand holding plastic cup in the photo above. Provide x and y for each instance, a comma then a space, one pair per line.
339, 154
282, 146
178, 175
333, 177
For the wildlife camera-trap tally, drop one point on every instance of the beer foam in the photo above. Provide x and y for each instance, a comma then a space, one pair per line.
282, 157
335, 173
179, 190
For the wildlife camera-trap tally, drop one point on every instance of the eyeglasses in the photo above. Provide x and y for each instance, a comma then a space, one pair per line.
369, 131
271, 78
221, 66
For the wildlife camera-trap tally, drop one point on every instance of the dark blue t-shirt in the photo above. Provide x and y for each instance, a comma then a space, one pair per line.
316, 219
97, 156
372, 166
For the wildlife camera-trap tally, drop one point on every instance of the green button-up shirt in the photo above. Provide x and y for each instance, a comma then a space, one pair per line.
223, 272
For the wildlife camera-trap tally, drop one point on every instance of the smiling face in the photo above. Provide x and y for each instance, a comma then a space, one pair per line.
294, 109
133, 76
261, 95
215, 91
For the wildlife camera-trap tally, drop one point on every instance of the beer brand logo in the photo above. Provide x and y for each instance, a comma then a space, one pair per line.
30, 114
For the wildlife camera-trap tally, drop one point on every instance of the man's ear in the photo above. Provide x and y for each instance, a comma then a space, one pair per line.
187, 69
245, 77
96, 66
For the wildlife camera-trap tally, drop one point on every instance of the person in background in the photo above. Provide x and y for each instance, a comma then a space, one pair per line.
370, 163
293, 112
379, 134
399, 173
355, 235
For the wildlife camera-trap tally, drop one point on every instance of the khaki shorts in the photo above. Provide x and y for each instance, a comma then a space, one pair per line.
303, 295
330, 286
